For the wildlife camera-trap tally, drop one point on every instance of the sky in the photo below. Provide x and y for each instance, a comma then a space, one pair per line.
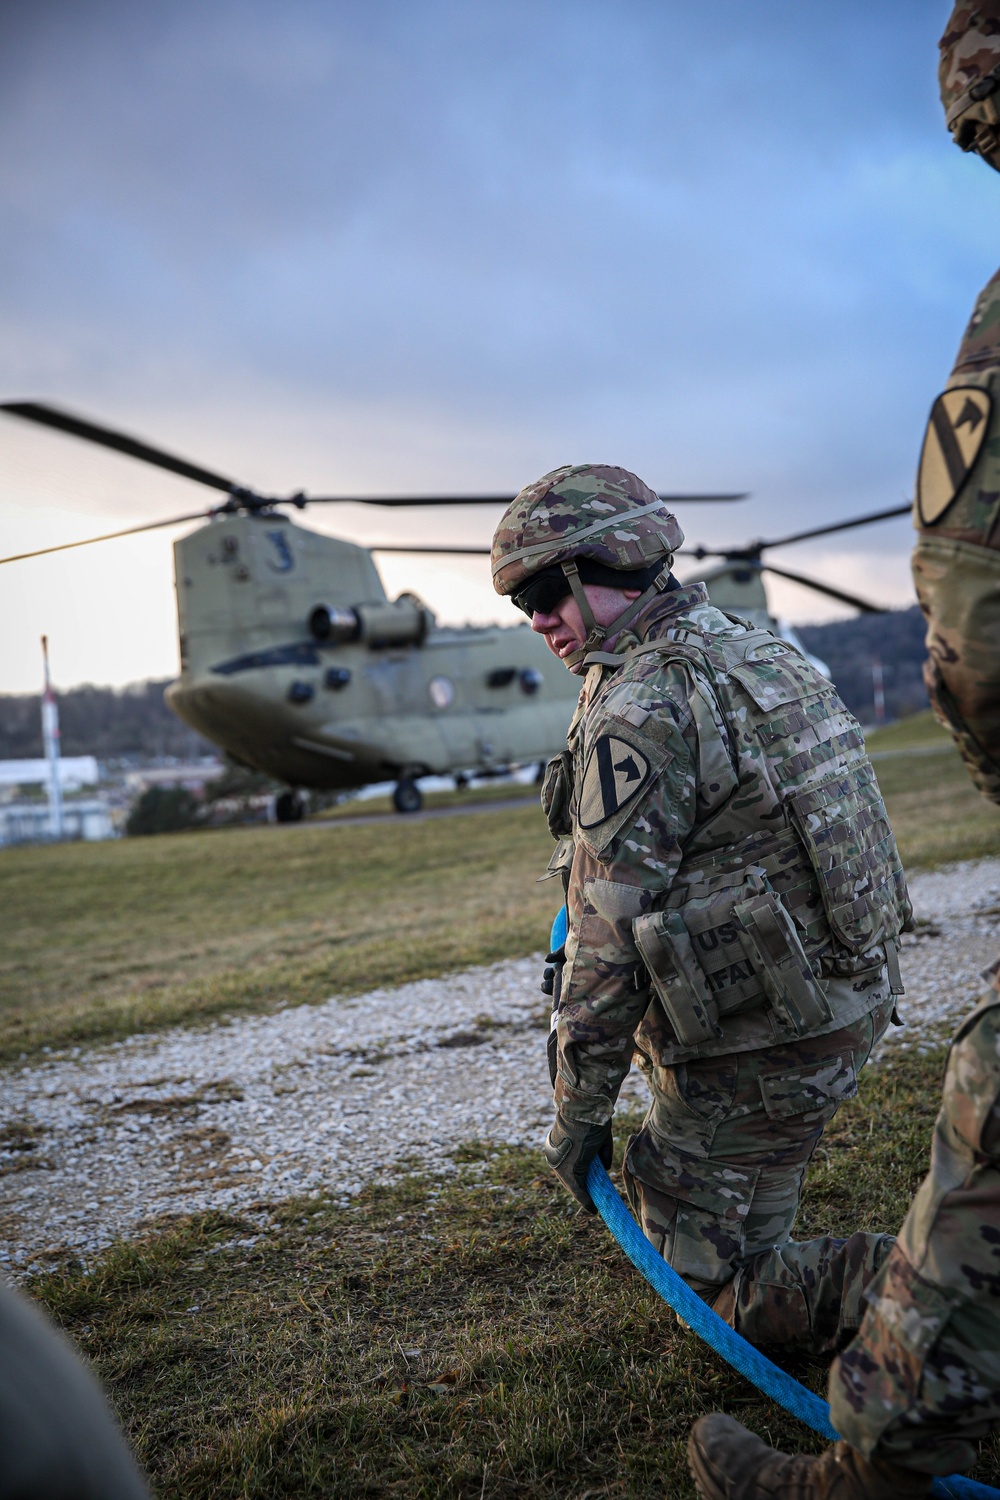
447, 245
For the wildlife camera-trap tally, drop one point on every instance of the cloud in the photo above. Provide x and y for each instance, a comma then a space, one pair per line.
448, 246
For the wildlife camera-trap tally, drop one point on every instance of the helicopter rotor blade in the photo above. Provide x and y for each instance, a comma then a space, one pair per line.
802, 536
110, 536
841, 595
107, 437
434, 551
481, 499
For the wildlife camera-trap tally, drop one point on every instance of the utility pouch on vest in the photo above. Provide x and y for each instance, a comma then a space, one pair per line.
560, 863
677, 976
842, 823
780, 963
557, 794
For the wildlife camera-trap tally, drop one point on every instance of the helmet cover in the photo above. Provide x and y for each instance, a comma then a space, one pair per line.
969, 74
582, 510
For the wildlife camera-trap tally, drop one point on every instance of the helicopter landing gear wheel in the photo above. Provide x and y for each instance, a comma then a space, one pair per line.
407, 797
288, 807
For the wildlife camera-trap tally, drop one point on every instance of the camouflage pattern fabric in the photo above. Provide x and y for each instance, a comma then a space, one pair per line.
956, 563
715, 1174
921, 1382
970, 48
679, 792
582, 510
673, 802
968, 74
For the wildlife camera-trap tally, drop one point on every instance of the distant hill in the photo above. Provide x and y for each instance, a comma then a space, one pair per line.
113, 722
106, 722
849, 646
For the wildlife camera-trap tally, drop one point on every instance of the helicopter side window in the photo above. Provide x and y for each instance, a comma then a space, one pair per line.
301, 692
337, 678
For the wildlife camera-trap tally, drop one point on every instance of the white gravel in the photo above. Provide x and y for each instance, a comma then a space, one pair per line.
318, 1098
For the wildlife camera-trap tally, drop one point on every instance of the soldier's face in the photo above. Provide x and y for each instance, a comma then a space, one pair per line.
563, 626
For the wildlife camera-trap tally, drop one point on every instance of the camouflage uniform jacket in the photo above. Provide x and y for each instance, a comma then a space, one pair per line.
688, 794
956, 564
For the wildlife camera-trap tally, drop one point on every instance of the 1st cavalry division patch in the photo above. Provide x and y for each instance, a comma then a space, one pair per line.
615, 772
959, 421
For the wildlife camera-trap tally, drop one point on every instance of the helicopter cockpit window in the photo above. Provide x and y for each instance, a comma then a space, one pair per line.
501, 677
531, 680
441, 691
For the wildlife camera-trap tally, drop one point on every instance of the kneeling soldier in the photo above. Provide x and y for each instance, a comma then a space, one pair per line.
734, 898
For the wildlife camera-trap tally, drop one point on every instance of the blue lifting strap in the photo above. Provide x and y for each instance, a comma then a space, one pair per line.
559, 929
767, 1377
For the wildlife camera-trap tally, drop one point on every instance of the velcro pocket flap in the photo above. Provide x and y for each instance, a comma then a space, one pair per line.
719, 1187
809, 1091
677, 976
779, 960
788, 679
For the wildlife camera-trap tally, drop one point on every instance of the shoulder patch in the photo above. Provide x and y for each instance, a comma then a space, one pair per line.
615, 773
956, 431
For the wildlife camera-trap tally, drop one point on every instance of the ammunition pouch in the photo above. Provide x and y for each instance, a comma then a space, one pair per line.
733, 951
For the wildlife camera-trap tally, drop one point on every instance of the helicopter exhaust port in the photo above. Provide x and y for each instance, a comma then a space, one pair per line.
403, 622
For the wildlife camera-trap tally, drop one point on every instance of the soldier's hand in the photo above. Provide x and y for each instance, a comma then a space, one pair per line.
570, 1148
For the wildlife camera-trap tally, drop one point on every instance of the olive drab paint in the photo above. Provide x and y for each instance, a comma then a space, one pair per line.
408, 698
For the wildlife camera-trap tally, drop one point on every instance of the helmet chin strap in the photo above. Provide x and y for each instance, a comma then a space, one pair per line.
596, 633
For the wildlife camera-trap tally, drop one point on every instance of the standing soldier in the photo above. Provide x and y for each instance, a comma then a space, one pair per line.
734, 898
920, 1385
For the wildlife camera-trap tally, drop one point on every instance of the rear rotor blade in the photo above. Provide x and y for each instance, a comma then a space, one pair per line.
480, 499
863, 605
106, 437
110, 536
802, 536
433, 551
408, 499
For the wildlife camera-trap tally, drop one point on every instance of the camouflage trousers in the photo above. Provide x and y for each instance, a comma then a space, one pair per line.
920, 1384
715, 1174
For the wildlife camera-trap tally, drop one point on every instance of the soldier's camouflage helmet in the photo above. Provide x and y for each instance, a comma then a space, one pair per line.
969, 75
582, 511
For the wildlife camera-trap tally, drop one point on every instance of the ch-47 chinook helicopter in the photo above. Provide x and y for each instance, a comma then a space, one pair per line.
295, 662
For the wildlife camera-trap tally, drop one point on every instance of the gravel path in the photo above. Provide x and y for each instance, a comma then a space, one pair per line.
313, 1098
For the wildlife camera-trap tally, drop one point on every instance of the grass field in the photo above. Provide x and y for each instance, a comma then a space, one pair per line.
103, 940
466, 1337
474, 1337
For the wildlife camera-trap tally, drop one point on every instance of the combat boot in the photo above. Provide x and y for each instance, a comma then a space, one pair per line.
729, 1463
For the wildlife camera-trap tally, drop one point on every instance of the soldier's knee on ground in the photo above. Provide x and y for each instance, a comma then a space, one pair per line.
806, 1296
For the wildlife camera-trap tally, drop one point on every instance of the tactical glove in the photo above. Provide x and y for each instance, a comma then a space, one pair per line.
570, 1148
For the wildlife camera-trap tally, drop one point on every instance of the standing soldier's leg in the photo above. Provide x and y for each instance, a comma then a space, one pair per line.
921, 1382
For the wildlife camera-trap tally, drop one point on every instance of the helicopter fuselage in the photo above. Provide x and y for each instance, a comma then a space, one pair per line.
386, 693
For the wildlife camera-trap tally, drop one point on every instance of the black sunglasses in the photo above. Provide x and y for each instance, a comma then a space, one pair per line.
543, 592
